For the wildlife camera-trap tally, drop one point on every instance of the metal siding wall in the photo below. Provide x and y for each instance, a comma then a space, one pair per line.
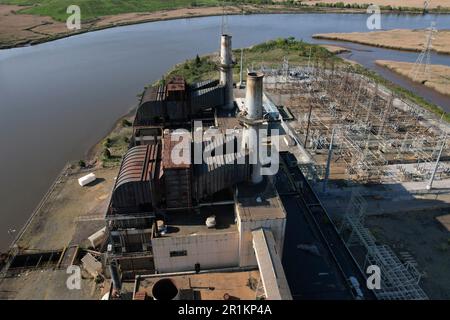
207, 98
223, 173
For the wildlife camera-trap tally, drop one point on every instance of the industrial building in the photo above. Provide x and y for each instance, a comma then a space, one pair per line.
172, 222
219, 213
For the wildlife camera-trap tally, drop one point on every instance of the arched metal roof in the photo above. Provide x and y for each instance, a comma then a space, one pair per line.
138, 164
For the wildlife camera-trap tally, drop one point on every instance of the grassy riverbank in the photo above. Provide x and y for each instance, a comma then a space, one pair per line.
437, 77
29, 22
92, 9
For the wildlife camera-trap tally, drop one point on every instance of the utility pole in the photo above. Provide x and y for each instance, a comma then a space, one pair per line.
430, 184
309, 58
309, 121
330, 154
241, 69
242, 62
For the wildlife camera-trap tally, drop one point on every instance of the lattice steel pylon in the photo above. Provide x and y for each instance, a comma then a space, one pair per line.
421, 67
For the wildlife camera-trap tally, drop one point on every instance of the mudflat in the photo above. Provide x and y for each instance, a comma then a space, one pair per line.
399, 39
437, 77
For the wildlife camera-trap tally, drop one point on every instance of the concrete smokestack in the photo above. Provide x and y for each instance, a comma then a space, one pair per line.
254, 105
226, 70
254, 95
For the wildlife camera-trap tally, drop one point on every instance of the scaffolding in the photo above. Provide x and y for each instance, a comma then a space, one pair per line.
399, 281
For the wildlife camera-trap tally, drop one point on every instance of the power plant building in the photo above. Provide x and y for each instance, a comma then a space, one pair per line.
171, 212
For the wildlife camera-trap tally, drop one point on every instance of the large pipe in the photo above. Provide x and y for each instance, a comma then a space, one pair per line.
254, 105
226, 70
117, 285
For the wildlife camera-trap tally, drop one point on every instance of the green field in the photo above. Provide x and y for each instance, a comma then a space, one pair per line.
91, 9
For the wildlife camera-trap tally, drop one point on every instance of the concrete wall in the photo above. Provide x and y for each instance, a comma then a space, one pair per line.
246, 252
212, 250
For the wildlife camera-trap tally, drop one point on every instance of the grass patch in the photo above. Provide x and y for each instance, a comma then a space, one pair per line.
270, 53
198, 69
116, 144
91, 9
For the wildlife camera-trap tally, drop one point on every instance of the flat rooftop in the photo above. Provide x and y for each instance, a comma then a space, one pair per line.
257, 202
190, 223
208, 286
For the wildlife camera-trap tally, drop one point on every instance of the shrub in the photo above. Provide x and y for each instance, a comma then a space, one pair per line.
82, 164
126, 123
106, 154
107, 143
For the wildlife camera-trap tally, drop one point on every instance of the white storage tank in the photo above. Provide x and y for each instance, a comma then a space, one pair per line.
87, 179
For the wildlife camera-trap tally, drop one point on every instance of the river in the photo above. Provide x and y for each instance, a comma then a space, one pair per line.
57, 99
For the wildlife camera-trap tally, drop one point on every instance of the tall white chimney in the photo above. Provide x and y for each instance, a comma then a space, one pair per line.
254, 105
226, 70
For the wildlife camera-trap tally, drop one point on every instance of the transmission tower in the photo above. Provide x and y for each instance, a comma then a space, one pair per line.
421, 66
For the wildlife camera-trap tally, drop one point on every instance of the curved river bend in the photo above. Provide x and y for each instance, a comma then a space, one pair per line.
58, 99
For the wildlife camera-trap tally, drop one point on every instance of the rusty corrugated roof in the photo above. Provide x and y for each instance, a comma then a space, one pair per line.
170, 146
153, 94
138, 164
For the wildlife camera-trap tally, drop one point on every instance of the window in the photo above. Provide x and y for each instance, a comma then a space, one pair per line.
180, 253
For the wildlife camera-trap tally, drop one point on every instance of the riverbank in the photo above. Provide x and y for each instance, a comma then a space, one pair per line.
19, 28
399, 39
437, 77
412, 4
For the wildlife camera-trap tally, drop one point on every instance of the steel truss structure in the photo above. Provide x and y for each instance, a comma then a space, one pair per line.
380, 137
399, 281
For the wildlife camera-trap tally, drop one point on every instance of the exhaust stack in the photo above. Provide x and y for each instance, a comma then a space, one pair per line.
226, 70
254, 105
